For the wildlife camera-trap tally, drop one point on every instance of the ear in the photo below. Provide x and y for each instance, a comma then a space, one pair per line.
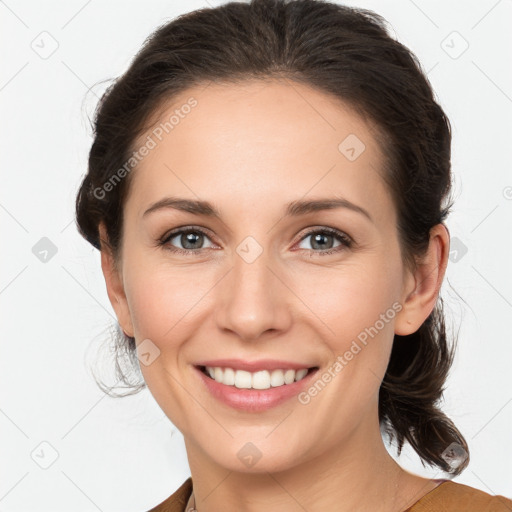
114, 283
422, 286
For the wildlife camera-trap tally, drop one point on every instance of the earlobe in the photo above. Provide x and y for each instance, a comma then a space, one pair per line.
422, 286
114, 284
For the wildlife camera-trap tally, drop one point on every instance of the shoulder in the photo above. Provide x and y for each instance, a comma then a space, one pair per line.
178, 500
452, 497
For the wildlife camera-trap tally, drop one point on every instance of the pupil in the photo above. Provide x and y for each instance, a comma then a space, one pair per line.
317, 238
190, 239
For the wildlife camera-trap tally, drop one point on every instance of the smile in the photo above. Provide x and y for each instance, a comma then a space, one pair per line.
263, 379
254, 391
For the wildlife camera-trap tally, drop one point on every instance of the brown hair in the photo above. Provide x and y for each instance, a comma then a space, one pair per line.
345, 52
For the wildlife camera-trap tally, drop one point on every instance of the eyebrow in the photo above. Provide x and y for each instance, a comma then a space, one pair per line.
293, 209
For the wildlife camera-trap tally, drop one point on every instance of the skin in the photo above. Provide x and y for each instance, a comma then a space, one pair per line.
250, 149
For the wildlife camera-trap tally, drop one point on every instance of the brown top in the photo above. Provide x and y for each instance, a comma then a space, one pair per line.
446, 497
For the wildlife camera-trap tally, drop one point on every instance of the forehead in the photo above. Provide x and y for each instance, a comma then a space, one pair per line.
260, 140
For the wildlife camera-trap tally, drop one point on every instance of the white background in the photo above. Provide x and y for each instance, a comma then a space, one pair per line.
124, 454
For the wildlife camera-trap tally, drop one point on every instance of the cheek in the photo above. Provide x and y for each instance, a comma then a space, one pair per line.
162, 300
353, 297
355, 308
341, 303
359, 311
165, 305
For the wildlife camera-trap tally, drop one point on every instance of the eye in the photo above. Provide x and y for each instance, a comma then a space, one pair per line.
190, 240
325, 239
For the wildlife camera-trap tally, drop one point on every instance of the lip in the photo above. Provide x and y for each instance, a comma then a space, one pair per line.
254, 366
253, 400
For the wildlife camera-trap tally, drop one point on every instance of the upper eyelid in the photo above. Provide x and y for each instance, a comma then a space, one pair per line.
185, 229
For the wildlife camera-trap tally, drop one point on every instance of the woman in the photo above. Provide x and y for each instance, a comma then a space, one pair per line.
267, 186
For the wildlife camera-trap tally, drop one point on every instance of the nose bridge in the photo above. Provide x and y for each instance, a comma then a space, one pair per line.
253, 300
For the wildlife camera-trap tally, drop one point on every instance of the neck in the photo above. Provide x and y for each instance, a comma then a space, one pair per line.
356, 475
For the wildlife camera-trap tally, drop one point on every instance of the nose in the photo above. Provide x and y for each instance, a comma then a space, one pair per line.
253, 300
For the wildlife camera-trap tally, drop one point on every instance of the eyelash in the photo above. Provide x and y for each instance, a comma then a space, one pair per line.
346, 241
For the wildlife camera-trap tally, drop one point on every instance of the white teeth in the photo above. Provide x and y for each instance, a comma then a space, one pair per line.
242, 379
300, 374
228, 377
261, 380
258, 380
276, 378
289, 376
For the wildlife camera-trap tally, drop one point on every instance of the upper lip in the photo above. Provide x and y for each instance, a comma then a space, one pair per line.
253, 366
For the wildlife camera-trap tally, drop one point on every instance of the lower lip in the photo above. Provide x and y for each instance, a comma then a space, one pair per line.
254, 400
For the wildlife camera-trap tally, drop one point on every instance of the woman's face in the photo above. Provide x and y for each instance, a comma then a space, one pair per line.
266, 277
